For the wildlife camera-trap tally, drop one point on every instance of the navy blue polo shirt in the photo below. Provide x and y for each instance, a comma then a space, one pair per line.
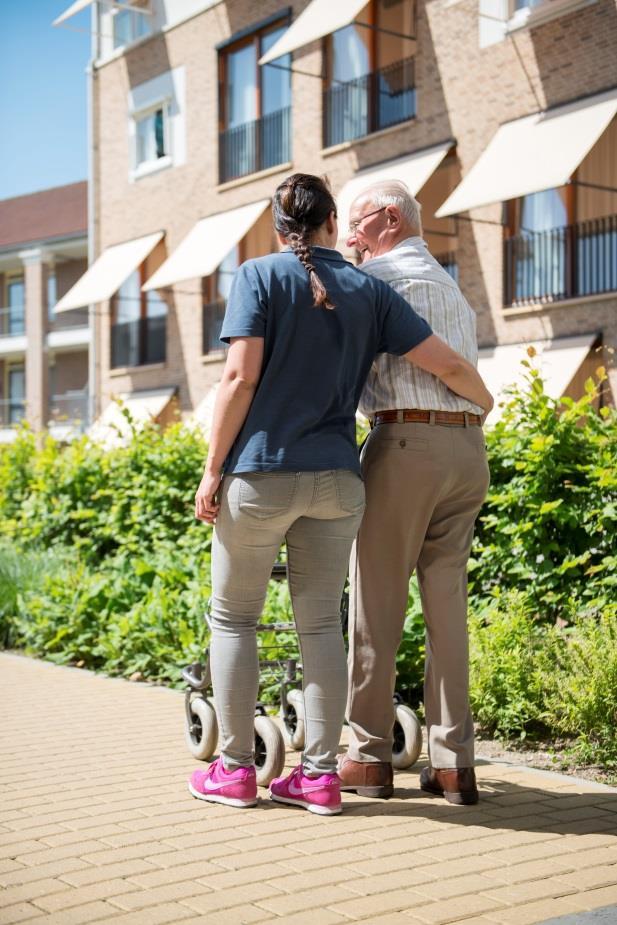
316, 360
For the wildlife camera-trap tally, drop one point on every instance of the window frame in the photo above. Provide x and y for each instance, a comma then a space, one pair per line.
144, 168
243, 41
142, 316
145, 11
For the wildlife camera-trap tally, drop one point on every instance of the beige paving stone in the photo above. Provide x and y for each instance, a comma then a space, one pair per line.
85, 894
595, 899
38, 831
531, 870
9, 866
26, 892
445, 912
155, 896
107, 855
153, 915
239, 915
408, 860
226, 899
535, 912
234, 860
97, 874
104, 817
72, 837
20, 912
307, 862
305, 900
591, 878
394, 880
19, 849
394, 901
589, 857
322, 917
48, 855
78, 915
196, 870
528, 892
539, 851
280, 876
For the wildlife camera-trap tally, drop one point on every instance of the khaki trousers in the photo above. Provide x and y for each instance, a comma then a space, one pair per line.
425, 484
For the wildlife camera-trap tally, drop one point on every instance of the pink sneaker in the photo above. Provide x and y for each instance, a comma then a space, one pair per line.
235, 788
321, 795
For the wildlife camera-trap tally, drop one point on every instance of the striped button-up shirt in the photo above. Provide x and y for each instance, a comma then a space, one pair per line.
394, 383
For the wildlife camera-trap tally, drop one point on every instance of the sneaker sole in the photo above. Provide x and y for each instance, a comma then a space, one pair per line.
312, 807
219, 798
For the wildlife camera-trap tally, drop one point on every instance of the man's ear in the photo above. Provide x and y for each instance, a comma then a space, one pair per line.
394, 217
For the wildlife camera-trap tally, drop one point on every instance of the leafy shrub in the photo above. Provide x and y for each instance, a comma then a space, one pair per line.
548, 523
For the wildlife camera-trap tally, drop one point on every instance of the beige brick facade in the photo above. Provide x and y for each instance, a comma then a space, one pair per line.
463, 92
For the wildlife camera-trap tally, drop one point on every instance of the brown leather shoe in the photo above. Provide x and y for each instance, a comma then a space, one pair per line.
457, 785
367, 778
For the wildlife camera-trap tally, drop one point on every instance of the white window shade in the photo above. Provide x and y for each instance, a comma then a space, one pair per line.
413, 170
321, 17
105, 276
533, 153
207, 244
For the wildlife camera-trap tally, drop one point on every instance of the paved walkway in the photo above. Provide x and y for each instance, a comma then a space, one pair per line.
96, 825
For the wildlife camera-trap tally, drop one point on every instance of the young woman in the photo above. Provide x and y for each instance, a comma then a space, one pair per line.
304, 327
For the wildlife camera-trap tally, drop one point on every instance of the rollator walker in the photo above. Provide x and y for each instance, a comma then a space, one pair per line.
271, 739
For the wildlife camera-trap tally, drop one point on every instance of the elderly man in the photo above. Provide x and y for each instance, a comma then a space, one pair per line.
426, 476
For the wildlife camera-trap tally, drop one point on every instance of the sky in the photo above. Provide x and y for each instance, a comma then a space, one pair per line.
43, 141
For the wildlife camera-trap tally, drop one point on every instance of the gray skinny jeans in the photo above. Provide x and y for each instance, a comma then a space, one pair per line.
318, 514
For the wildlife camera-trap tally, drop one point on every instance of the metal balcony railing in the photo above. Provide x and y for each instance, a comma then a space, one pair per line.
255, 145
561, 263
71, 407
369, 103
12, 411
448, 262
12, 321
137, 343
212, 323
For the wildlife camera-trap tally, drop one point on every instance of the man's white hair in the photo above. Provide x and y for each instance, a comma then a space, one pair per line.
394, 193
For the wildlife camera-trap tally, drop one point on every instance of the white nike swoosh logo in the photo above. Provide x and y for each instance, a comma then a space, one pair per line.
213, 785
298, 791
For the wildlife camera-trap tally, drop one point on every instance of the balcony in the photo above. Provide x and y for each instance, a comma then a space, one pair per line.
140, 342
12, 411
370, 103
12, 321
448, 262
69, 411
561, 263
212, 323
255, 146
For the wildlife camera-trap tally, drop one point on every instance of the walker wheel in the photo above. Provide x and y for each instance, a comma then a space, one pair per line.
269, 750
293, 720
407, 737
202, 733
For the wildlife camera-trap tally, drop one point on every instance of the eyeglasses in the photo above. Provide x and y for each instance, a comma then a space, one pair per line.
353, 226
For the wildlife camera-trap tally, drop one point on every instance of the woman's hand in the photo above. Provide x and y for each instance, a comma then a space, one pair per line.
206, 504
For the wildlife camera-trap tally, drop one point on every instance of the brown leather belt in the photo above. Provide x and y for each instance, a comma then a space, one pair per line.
411, 416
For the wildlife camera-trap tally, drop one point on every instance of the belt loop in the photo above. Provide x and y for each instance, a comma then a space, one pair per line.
400, 416
431, 418
466, 418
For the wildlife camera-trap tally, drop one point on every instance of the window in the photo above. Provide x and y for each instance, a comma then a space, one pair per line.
497, 20
139, 324
216, 290
12, 316
130, 25
52, 294
562, 243
156, 124
254, 105
370, 72
151, 137
17, 394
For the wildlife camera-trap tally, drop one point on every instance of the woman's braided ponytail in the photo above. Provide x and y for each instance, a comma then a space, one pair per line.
301, 205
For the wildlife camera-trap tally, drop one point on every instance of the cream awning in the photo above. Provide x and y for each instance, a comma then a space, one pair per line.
321, 17
534, 153
207, 244
414, 170
72, 10
558, 360
144, 406
105, 276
